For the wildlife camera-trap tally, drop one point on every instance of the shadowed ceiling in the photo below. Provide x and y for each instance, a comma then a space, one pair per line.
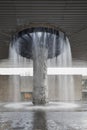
69, 15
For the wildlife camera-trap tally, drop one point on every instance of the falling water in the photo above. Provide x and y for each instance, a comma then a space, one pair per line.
14, 80
64, 84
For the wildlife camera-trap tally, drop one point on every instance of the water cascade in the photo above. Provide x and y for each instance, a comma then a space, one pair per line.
14, 80
41, 44
64, 83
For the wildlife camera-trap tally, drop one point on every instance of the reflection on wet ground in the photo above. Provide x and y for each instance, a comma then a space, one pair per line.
43, 120
40, 122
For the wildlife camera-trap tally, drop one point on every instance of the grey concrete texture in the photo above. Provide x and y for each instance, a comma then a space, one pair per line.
40, 87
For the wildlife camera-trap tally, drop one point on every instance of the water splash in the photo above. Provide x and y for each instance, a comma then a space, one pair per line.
52, 106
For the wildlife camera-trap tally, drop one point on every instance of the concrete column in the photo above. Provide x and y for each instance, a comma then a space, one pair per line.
40, 88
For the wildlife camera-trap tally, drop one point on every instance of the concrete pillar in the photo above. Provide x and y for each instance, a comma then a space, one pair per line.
40, 88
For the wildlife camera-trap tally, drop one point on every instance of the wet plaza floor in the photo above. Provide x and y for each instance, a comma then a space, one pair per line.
43, 119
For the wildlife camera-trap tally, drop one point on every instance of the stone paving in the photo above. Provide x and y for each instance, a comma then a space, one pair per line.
41, 120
